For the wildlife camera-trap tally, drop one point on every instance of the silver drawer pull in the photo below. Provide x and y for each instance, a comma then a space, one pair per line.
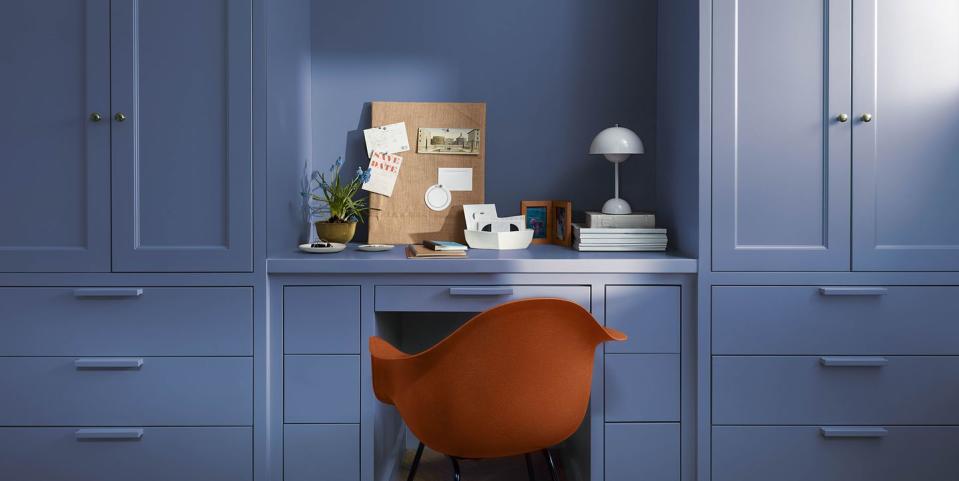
109, 363
93, 292
481, 291
853, 361
107, 434
853, 291
852, 432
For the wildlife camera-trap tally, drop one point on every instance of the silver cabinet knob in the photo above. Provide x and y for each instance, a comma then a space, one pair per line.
842, 118
867, 117
96, 117
120, 117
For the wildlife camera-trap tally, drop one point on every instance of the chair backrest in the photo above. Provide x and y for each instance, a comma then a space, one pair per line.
513, 379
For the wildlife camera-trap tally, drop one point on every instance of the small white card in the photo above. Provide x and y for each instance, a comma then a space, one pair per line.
389, 139
477, 213
384, 169
456, 179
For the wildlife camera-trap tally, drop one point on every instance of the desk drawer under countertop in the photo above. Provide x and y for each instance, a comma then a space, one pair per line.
847, 320
112, 391
126, 321
469, 298
835, 453
128, 453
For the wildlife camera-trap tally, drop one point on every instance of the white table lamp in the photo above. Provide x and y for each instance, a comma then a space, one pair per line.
617, 144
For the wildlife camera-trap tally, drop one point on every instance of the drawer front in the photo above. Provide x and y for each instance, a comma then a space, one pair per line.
321, 451
468, 298
835, 320
802, 453
160, 454
642, 387
321, 320
321, 389
836, 390
111, 321
642, 451
649, 315
61, 391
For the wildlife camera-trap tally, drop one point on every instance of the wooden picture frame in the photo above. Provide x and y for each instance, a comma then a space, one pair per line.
539, 219
561, 228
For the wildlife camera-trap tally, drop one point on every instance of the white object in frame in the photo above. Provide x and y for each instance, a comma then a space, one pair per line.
390, 139
384, 168
438, 198
456, 179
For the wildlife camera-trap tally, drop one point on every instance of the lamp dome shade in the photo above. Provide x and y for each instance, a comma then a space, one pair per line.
617, 140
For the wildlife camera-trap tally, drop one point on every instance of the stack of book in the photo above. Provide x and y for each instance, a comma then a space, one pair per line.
623, 232
436, 249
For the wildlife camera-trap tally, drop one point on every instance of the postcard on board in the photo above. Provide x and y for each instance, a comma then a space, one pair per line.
389, 139
448, 141
384, 169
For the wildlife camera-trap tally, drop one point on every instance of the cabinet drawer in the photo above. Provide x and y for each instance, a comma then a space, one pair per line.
321, 389
321, 320
642, 387
835, 320
649, 315
171, 391
642, 451
321, 451
836, 390
125, 321
803, 453
160, 454
469, 298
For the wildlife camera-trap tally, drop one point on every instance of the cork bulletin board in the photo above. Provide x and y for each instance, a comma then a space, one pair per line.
404, 218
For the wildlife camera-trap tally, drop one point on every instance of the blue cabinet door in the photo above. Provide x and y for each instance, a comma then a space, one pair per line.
781, 157
906, 159
182, 158
55, 159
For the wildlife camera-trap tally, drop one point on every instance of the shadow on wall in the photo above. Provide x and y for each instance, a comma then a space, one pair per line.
553, 74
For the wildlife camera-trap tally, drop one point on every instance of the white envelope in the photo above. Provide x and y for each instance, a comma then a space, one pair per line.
389, 139
455, 179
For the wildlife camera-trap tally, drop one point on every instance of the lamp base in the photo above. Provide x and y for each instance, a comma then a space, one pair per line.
617, 206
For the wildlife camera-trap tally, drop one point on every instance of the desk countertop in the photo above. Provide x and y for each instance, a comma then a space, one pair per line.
536, 259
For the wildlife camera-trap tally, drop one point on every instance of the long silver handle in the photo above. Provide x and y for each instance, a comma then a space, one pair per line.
853, 291
108, 434
481, 291
108, 292
852, 432
109, 363
853, 361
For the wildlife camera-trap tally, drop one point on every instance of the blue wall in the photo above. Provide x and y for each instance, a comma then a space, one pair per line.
552, 72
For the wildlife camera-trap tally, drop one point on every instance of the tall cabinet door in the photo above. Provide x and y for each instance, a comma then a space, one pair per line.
906, 158
182, 157
54, 158
781, 157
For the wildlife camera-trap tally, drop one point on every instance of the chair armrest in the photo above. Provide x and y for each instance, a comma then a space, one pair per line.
614, 334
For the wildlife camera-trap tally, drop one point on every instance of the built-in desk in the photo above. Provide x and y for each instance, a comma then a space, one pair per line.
325, 423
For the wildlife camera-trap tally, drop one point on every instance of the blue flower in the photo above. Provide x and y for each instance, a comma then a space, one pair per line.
365, 177
359, 172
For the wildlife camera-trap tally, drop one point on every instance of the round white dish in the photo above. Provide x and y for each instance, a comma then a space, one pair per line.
334, 247
374, 247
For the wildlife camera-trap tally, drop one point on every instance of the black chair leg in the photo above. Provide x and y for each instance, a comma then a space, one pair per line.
552, 466
456, 469
416, 462
529, 468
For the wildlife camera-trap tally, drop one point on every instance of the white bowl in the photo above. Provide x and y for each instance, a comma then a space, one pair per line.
519, 239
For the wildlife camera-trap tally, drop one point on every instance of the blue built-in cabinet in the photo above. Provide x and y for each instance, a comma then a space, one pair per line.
127, 136
833, 139
828, 291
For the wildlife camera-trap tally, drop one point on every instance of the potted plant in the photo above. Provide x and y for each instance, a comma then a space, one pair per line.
336, 203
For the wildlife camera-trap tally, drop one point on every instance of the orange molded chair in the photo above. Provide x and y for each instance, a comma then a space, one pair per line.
512, 380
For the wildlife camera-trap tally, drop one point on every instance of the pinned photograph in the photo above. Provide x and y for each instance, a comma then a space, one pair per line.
448, 141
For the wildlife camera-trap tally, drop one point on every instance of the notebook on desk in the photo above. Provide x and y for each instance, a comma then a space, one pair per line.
419, 251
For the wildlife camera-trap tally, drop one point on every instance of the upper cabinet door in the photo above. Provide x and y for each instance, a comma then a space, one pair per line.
781, 157
182, 120
54, 158
906, 159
